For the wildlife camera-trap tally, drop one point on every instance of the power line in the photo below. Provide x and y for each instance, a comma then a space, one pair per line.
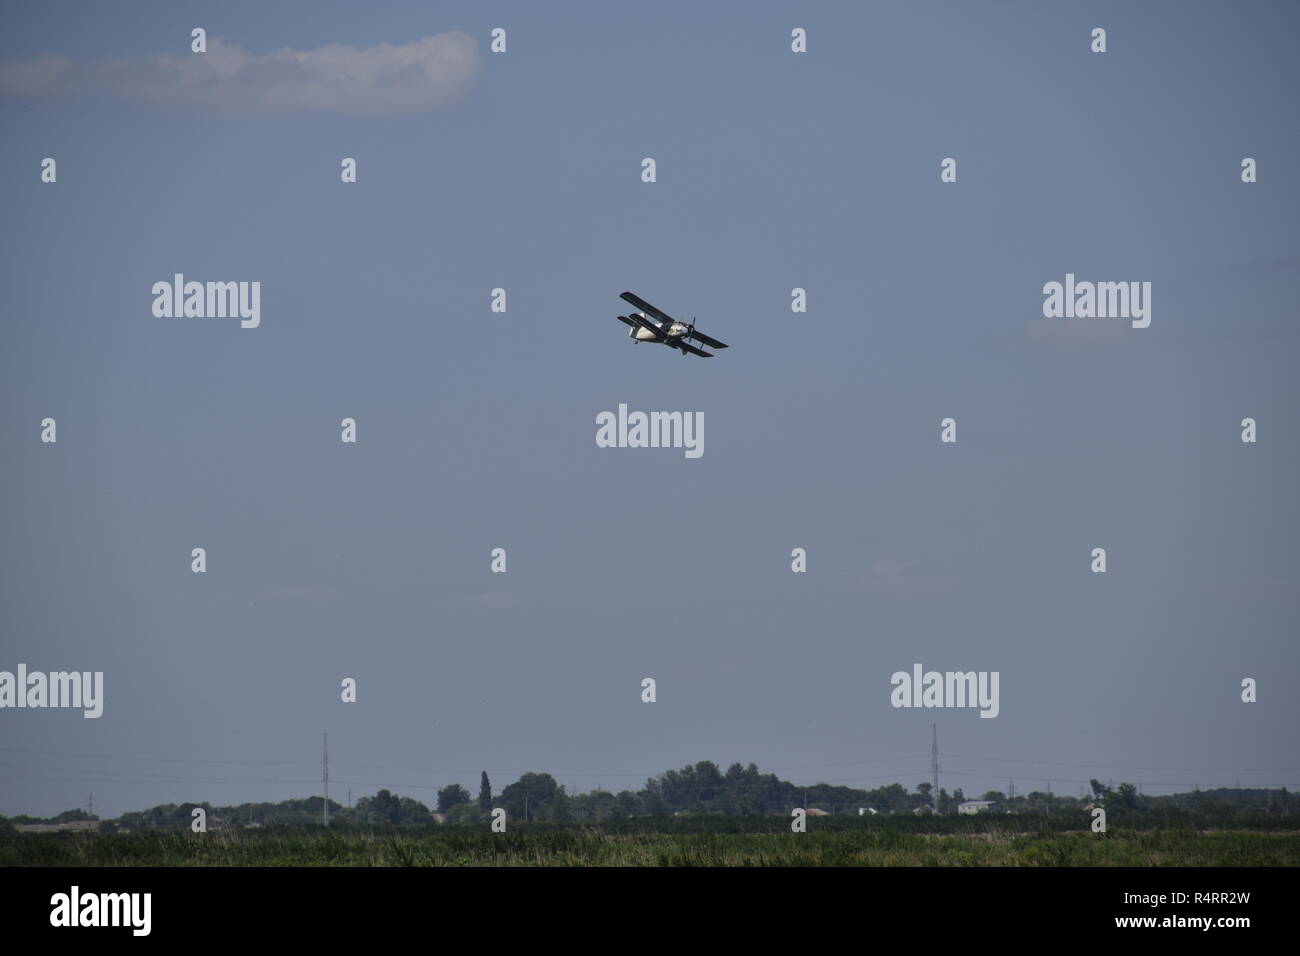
86, 756
934, 765
422, 770
70, 774
128, 777
1181, 783
571, 773
1116, 766
325, 757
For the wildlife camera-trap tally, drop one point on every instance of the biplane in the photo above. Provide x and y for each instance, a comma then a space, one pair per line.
649, 324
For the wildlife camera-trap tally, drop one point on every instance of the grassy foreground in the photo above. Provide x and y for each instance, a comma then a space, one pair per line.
534, 845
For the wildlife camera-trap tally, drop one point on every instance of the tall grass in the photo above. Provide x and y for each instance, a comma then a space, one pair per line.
671, 843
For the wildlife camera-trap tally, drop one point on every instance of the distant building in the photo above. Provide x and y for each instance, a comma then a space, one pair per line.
69, 825
864, 811
979, 806
814, 812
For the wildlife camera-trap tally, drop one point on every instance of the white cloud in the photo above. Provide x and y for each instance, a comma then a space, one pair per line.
427, 74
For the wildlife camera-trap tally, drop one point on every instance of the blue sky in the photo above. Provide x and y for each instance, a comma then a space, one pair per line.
476, 429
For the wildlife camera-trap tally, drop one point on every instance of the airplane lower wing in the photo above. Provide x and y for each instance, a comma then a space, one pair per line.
710, 342
626, 321
679, 344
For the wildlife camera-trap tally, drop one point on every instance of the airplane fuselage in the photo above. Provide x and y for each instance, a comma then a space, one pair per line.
674, 331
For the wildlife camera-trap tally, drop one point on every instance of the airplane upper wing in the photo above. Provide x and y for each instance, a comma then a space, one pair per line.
647, 308
710, 342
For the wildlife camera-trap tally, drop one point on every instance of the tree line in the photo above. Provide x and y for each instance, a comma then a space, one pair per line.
701, 789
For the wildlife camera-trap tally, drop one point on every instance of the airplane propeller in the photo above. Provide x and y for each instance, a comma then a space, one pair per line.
689, 330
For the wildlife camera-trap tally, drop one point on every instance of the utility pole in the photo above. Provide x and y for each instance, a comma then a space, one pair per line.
326, 759
91, 810
934, 765
349, 798
1012, 794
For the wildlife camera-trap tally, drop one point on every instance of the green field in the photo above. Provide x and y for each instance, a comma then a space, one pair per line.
761, 842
